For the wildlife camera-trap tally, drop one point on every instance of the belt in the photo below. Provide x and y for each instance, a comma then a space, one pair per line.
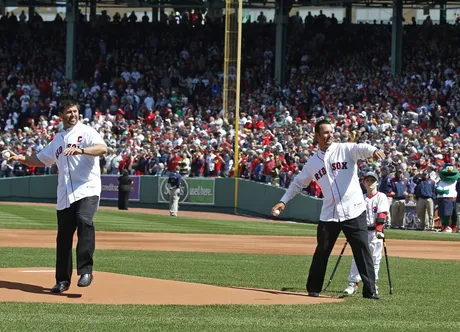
425, 197
398, 198
371, 228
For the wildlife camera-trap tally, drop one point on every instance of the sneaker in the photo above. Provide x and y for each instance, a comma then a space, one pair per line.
454, 229
446, 229
351, 288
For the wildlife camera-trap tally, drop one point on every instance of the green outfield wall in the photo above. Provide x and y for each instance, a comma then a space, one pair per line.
198, 194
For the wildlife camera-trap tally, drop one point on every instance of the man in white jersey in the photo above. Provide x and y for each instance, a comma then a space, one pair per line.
334, 168
75, 151
376, 212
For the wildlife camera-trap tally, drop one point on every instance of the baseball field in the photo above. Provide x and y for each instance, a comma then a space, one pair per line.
213, 272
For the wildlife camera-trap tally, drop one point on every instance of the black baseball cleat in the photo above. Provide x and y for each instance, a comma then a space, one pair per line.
313, 294
85, 280
60, 287
372, 297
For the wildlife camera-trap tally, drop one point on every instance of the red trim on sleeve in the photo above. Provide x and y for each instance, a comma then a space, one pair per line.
379, 225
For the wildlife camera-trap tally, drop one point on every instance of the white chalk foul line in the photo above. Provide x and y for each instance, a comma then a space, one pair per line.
38, 271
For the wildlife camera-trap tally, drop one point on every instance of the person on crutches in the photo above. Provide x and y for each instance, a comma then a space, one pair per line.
376, 213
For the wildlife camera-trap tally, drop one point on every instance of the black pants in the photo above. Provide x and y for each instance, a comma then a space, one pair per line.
355, 231
123, 197
79, 216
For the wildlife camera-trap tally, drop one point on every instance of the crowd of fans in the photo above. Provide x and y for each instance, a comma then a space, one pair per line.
154, 92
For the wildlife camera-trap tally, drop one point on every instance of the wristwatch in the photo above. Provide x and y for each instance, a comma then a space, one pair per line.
82, 151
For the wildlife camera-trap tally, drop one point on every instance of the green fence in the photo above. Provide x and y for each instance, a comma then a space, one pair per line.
254, 199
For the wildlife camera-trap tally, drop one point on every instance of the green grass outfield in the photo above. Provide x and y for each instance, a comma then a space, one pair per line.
44, 217
427, 295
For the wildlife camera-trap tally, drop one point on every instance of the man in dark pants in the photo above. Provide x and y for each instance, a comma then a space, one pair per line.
334, 168
76, 152
124, 189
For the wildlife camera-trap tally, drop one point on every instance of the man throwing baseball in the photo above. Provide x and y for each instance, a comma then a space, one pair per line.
334, 168
76, 152
376, 212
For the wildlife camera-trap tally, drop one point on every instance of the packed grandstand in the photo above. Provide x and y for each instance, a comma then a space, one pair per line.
155, 94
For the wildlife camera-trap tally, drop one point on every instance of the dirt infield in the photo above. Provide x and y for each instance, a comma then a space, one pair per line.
34, 285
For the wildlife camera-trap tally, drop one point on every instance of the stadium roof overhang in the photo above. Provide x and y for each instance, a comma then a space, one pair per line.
221, 3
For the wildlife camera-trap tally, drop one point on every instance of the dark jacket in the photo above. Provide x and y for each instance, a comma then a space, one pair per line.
425, 189
174, 180
125, 183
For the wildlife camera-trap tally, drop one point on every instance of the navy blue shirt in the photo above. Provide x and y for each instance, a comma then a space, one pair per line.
175, 180
399, 187
425, 189
385, 184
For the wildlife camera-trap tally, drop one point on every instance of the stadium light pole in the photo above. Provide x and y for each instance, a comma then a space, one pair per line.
237, 100
232, 76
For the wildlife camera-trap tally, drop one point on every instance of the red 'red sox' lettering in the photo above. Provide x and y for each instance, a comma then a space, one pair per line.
335, 167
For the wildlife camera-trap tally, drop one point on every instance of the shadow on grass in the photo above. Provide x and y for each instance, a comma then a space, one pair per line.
287, 289
283, 291
34, 289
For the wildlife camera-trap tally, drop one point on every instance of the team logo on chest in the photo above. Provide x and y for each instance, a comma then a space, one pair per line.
59, 150
335, 166
339, 165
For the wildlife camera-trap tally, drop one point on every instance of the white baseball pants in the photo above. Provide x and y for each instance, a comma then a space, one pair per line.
375, 247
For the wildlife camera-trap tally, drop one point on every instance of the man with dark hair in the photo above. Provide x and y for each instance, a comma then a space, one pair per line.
334, 168
75, 151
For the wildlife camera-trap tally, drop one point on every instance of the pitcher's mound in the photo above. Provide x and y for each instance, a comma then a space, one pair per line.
34, 285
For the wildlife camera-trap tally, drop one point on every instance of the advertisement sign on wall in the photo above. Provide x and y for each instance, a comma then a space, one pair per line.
110, 187
192, 191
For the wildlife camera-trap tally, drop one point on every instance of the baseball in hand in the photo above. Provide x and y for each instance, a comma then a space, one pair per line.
276, 212
6, 154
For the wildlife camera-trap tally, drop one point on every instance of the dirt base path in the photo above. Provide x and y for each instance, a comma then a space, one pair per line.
254, 244
33, 285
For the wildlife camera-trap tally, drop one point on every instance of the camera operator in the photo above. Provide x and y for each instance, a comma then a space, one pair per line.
184, 165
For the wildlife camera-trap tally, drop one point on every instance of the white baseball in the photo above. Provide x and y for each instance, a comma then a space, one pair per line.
6, 155
276, 212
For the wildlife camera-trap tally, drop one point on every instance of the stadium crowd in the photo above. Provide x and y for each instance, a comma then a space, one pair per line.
154, 92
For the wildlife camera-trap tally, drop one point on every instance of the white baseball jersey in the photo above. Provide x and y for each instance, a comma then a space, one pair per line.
79, 176
374, 205
451, 186
336, 173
